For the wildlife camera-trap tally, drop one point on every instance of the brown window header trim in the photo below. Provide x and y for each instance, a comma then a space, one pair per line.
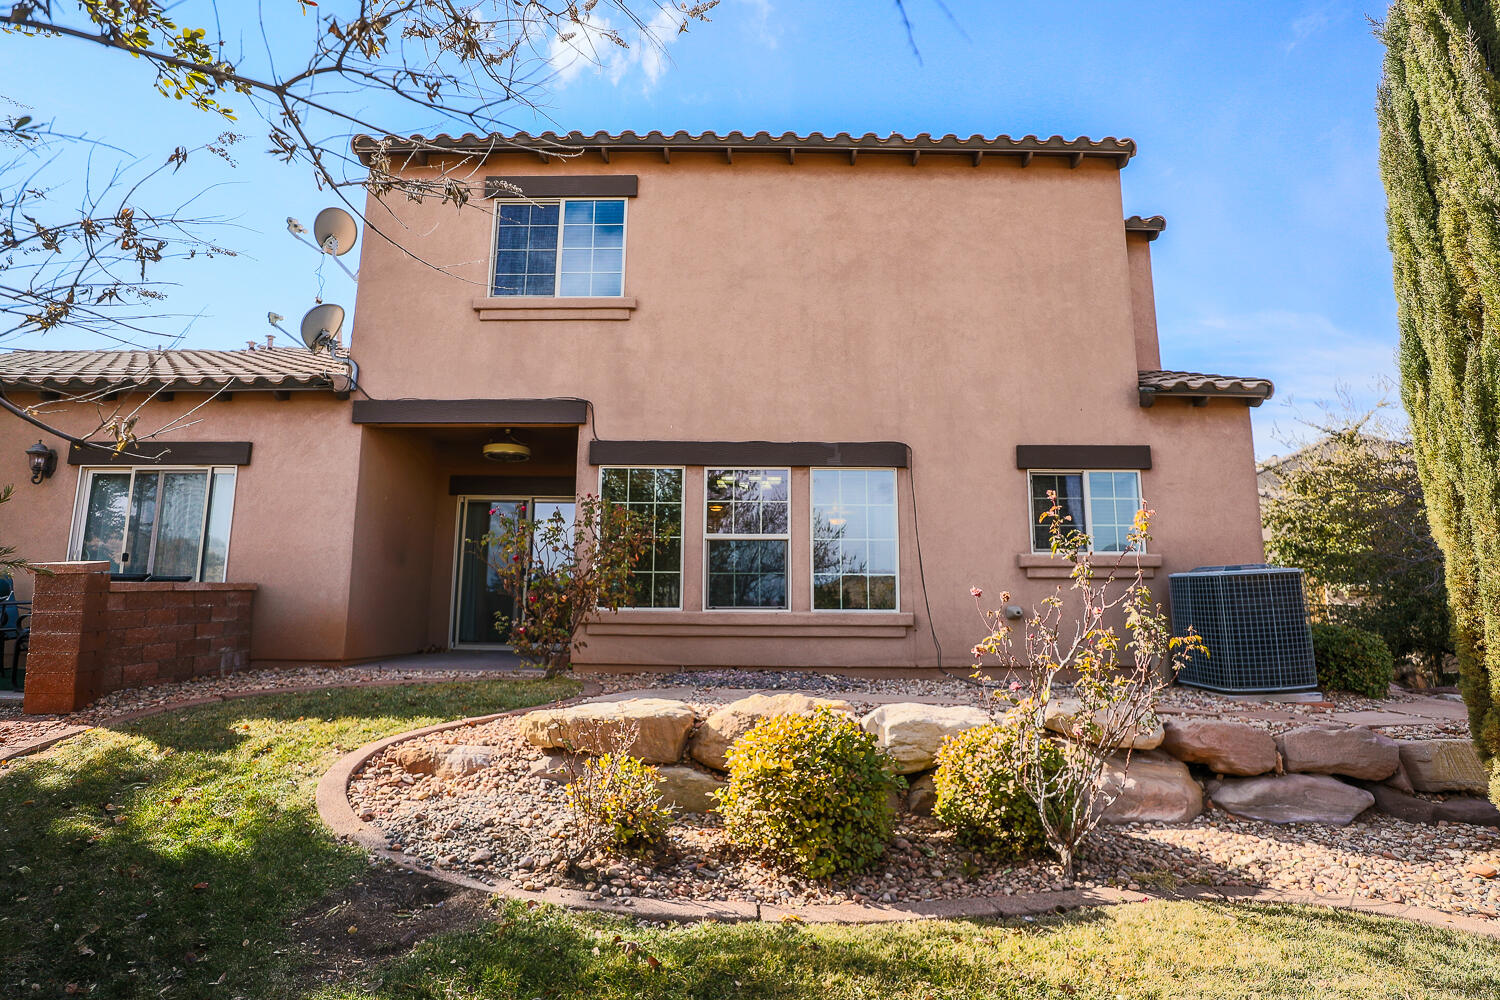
1083, 456
515, 486
874, 454
497, 412
164, 453
564, 186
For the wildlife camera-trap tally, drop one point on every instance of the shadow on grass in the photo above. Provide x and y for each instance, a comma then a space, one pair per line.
171, 855
1161, 949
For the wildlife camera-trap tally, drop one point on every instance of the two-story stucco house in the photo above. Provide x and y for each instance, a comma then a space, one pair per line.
849, 369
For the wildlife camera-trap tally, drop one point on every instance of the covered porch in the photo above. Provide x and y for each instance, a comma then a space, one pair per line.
429, 490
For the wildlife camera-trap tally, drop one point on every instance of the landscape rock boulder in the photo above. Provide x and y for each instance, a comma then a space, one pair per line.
1225, 747
463, 760
1062, 717
1348, 750
1443, 766
417, 758
660, 727
713, 739
688, 788
555, 766
911, 733
1154, 788
921, 796
1291, 798
1415, 809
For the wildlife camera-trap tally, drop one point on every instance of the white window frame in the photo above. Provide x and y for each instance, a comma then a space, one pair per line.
1088, 502
682, 514
557, 266
812, 570
85, 484
784, 537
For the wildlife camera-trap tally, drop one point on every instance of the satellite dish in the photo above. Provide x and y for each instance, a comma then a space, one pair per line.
335, 231
321, 325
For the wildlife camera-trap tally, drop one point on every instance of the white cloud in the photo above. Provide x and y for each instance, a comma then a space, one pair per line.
1312, 360
767, 30
1308, 24
592, 45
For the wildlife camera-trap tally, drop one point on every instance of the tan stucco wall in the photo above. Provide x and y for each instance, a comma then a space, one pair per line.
291, 531
962, 310
1142, 302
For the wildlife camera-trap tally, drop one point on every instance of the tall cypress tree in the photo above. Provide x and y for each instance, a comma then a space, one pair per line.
1439, 109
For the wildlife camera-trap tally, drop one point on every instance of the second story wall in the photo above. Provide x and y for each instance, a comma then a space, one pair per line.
778, 300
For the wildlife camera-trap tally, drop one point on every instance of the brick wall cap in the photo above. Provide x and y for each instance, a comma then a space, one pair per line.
127, 586
73, 568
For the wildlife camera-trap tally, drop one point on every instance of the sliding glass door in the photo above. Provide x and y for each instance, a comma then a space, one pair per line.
477, 596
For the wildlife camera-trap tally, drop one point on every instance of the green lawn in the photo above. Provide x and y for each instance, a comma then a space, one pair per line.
170, 856
181, 857
1189, 950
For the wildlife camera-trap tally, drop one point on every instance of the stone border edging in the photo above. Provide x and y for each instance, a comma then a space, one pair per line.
52, 739
339, 816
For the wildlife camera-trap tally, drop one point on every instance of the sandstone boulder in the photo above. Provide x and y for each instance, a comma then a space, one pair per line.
554, 766
660, 727
911, 733
1443, 766
688, 788
460, 761
713, 739
1467, 809
922, 796
1331, 749
1154, 788
1225, 747
417, 758
1291, 798
1062, 717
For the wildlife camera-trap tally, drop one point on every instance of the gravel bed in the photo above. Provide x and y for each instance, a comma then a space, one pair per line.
502, 823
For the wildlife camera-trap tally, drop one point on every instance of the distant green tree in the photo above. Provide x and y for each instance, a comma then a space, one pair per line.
1439, 111
1349, 511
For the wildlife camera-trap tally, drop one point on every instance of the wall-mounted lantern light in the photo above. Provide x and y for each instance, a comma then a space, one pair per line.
43, 461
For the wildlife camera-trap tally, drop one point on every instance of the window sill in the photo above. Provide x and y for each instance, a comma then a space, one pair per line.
751, 624
1107, 565
546, 307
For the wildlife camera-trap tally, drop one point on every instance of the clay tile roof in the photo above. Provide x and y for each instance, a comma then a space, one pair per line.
1200, 386
547, 145
1151, 226
263, 369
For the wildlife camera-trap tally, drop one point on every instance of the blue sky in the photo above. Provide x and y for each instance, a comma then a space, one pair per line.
1255, 124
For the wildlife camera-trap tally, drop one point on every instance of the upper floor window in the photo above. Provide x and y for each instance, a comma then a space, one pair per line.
564, 247
747, 530
1102, 505
171, 524
854, 539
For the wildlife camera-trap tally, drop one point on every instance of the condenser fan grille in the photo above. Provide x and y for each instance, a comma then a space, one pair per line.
1253, 620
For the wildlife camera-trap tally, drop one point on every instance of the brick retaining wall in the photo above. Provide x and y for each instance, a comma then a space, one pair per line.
91, 635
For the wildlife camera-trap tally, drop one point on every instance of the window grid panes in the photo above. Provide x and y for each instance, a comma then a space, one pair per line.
1102, 505
746, 516
655, 494
572, 247
854, 547
169, 524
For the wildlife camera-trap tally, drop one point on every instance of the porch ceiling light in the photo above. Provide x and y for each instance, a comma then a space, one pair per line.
43, 461
506, 449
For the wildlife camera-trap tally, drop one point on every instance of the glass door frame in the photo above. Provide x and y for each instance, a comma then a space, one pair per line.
456, 577
78, 529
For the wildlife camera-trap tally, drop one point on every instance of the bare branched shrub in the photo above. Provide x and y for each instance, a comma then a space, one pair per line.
1113, 676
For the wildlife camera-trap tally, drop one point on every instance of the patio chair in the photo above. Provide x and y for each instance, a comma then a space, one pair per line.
15, 627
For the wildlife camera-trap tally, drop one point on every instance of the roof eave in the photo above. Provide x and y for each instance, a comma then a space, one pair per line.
548, 146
